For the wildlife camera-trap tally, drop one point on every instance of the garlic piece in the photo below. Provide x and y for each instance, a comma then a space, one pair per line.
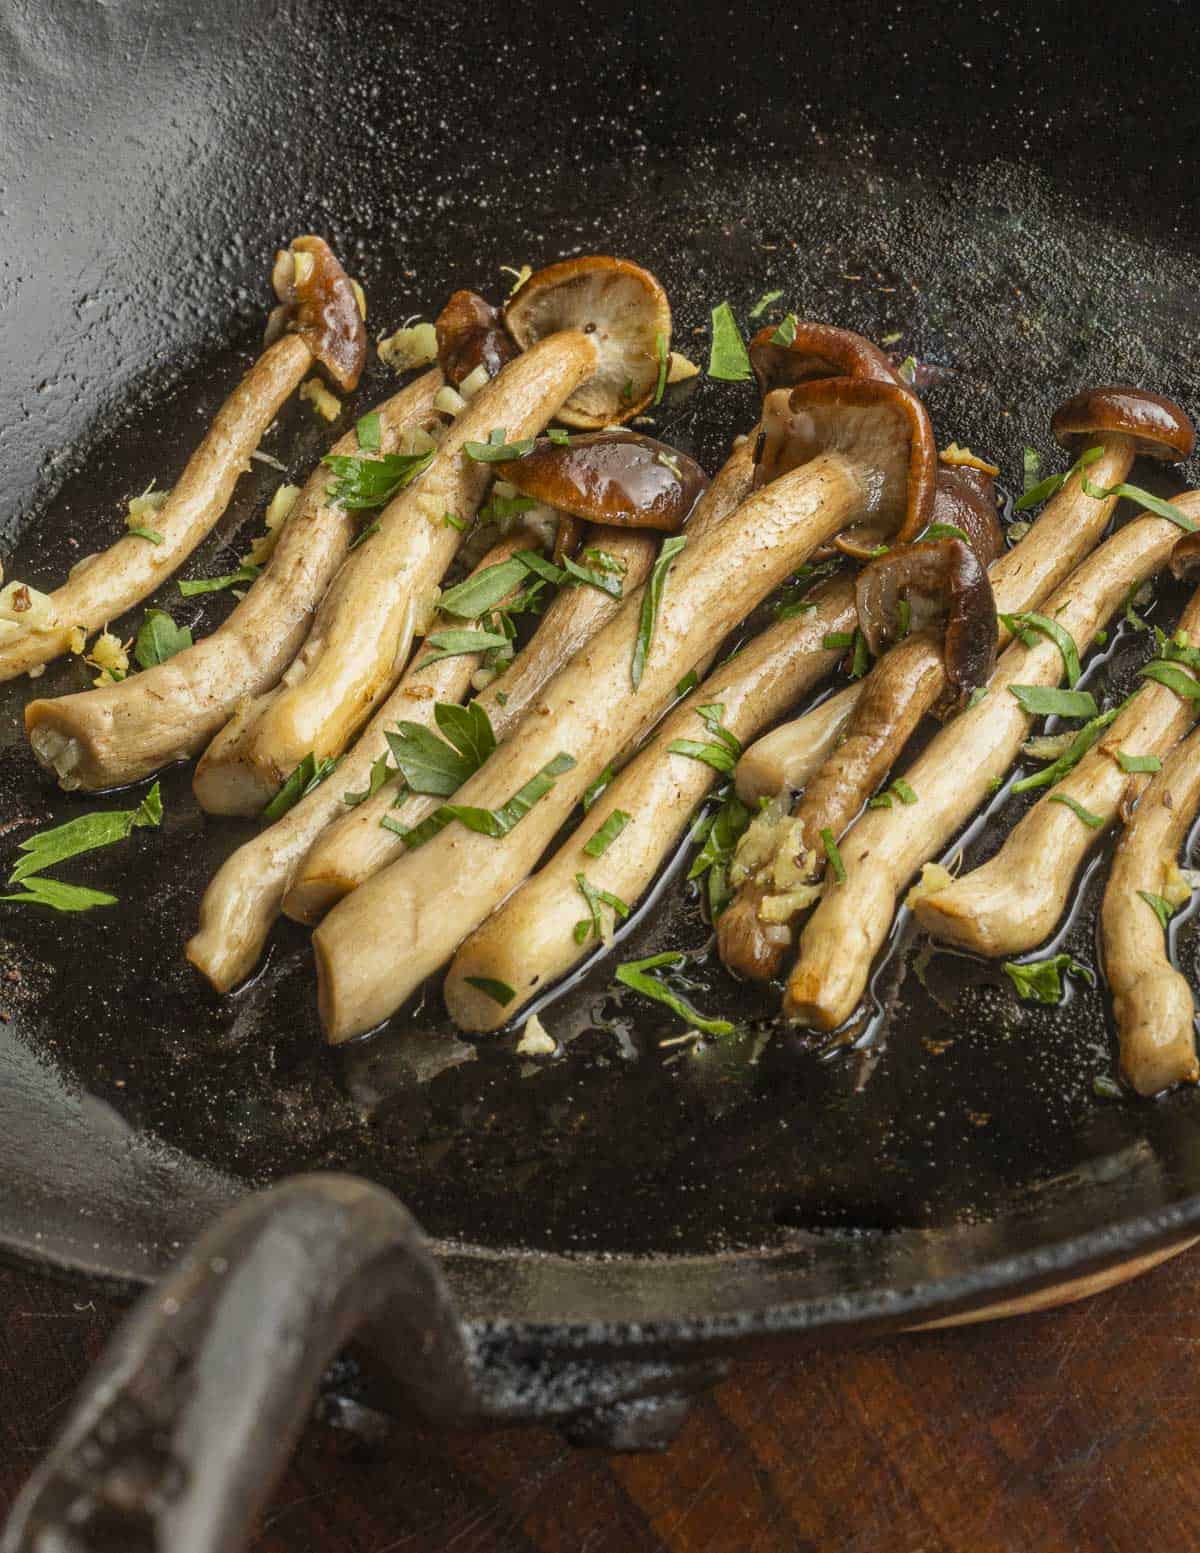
409, 348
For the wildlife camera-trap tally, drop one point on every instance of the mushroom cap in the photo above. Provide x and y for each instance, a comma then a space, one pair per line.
1158, 426
619, 478
818, 350
470, 334
1185, 558
880, 426
321, 308
964, 497
626, 312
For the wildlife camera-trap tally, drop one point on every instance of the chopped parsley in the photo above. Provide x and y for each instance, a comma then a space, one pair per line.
1052, 484
1049, 701
1071, 756
497, 449
633, 974
369, 431
604, 837
310, 773
1161, 908
834, 856
1040, 981
47, 848
719, 834
661, 352
159, 638
727, 361
499, 991
764, 303
593, 923
380, 771
593, 790
1155, 504
244, 573
362, 483
1134, 763
651, 603
1092, 821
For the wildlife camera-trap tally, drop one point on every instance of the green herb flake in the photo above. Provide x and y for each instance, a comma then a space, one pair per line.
499, 991
1049, 701
1174, 678
977, 695
1161, 908
764, 303
369, 431
455, 644
151, 534
934, 531
1061, 638
244, 573
380, 771
593, 923
633, 974
599, 844
498, 822
903, 792
84, 834
1155, 504
560, 437
651, 603
837, 641
834, 856
880, 801
904, 610
860, 661
688, 683
363, 483
1052, 484
663, 355
496, 450
1031, 461
159, 638
1133, 763
1105, 1087
1040, 981
727, 361
719, 836
1092, 821
59, 896
310, 773
1070, 757
907, 371
786, 333
604, 581
451, 521
484, 590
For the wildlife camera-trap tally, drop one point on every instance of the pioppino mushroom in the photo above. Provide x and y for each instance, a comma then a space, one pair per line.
317, 301
942, 576
878, 426
798, 351
471, 335
625, 312
619, 478
1156, 427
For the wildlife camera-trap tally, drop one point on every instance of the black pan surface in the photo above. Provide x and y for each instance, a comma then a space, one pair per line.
1008, 193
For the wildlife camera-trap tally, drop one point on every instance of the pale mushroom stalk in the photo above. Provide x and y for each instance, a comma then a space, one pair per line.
357, 845
1152, 1001
1013, 902
531, 940
119, 733
951, 779
243, 898
321, 315
380, 942
363, 630
786, 759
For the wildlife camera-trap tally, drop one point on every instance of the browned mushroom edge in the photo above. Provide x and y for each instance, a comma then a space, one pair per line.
1158, 426
815, 351
470, 335
942, 575
318, 303
879, 425
620, 478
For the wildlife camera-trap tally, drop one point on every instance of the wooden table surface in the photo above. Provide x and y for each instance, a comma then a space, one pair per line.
1069, 1431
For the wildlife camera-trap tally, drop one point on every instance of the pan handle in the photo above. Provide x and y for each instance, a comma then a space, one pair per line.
185, 1426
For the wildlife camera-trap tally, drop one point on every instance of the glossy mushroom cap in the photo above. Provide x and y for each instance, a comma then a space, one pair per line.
1185, 558
816, 351
317, 302
470, 335
880, 426
626, 312
943, 577
618, 478
1158, 426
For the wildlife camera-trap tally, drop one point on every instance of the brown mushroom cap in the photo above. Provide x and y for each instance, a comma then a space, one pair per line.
626, 312
321, 308
818, 350
964, 497
619, 478
1158, 426
878, 425
1185, 558
470, 334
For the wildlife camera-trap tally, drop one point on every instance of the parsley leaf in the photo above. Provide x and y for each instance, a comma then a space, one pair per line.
496, 450
727, 360
60, 897
380, 771
84, 834
633, 974
361, 483
499, 991
607, 833
308, 774
593, 923
1040, 981
159, 638
1052, 484
1092, 821
651, 603
244, 573
1161, 908
1049, 701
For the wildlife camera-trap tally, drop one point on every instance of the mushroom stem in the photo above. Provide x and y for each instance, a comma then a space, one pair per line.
363, 631
380, 942
1152, 1002
133, 567
243, 898
120, 733
907, 682
786, 759
530, 941
1014, 900
951, 779
356, 845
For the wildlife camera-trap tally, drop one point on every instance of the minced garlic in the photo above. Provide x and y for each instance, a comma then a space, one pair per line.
111, 656
409, 348
782, 908
279, 509
1177, 887
327, 405
519, 276
536, 1040
416, 439
933, 878
448, 400
963, 457
760, 842
474, 381
680, 369
143, 507
76, 640
27, 607
360, 297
